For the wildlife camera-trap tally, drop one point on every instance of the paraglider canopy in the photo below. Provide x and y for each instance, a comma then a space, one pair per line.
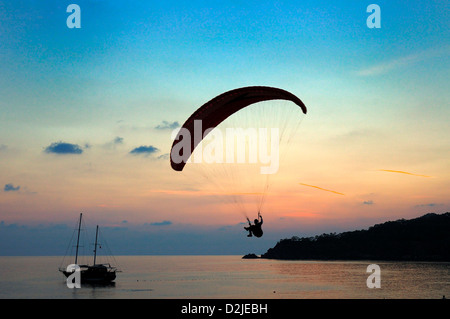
220, 108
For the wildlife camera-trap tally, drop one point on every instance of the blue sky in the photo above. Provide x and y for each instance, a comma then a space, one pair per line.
86, 113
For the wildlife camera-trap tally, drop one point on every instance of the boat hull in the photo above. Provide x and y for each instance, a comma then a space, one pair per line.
94, 274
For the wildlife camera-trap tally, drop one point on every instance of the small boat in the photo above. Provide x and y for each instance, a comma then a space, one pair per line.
95, 273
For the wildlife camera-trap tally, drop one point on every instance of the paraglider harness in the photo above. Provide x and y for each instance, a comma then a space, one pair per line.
255, 229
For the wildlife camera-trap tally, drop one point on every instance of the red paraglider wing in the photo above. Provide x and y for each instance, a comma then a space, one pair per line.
221, 107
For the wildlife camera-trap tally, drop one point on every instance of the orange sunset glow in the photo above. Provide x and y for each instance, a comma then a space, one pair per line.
89, 116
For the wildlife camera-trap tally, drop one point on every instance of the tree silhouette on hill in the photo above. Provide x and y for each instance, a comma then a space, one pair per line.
426, 238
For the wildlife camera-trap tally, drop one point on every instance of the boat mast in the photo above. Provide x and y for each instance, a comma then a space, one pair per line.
78, 239
95, 246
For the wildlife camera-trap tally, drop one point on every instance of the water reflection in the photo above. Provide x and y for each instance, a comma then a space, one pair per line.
347, 279
228, 277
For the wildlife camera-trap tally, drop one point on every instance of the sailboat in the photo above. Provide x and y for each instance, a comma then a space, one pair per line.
95, 273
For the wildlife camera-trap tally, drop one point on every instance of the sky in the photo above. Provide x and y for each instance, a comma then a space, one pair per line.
86, 116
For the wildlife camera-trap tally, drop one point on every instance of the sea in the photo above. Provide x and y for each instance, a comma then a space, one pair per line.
230, 277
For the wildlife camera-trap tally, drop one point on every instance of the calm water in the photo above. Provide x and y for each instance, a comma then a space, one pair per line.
228, 277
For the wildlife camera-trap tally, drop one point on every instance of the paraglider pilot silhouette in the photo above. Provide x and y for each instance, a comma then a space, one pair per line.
256, 228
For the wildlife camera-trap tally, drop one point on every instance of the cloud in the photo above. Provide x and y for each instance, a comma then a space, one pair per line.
115, 142
368, 202
11, 188
63, 148
164, 156
402, 172
163, 223
427, 205
23, 190
3, 147
165, 125
385, 67
323, 189
146, 150
118, 140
